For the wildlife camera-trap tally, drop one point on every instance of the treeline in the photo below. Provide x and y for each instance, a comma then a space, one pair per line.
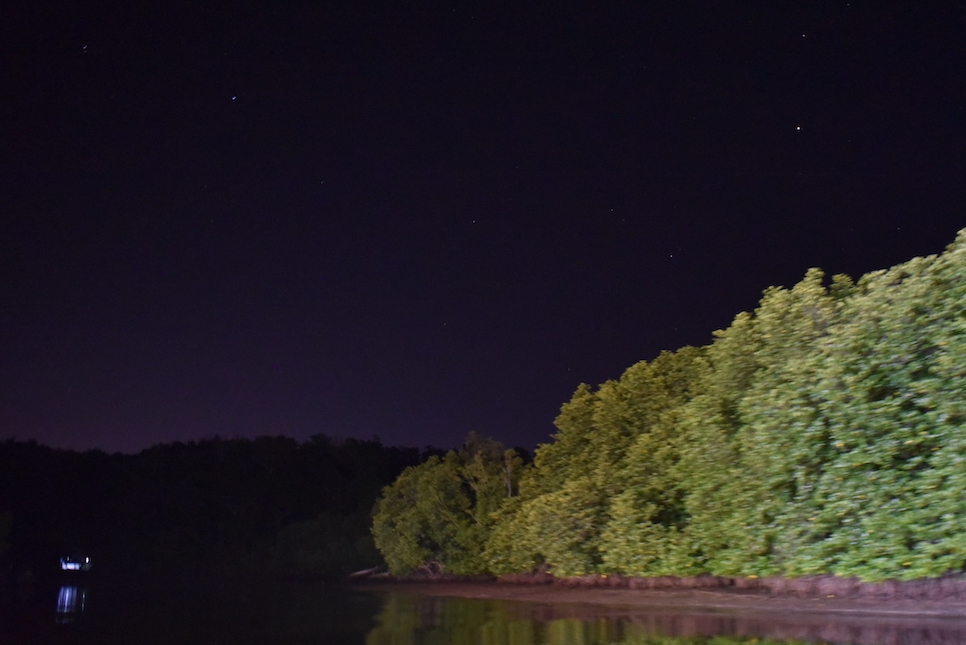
823, 433
270, 504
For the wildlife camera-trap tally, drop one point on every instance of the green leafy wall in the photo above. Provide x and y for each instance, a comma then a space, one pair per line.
822, 433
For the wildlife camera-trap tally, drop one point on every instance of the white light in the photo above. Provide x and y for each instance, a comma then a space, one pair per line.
69, 566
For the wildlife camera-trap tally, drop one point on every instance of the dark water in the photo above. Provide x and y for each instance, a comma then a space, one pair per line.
283, 613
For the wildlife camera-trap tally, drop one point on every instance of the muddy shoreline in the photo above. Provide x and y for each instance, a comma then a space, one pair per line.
943, 598
748, 614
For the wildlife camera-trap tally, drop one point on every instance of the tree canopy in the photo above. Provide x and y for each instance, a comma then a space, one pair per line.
438, 515
234, 505
823, 432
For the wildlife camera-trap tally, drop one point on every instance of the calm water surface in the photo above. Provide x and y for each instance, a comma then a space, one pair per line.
283, 613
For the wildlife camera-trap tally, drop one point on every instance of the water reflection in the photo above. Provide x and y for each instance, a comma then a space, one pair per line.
303, 612
71, 601
421, 620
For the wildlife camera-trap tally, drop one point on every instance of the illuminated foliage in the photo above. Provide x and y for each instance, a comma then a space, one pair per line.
754, 424
438, 515
892, 408
825, 432
847, 444
620, 438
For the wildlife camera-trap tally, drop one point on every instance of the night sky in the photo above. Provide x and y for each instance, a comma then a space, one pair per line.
247, 218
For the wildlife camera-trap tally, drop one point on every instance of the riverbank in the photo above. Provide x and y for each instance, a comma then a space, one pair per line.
938, 598
702, 613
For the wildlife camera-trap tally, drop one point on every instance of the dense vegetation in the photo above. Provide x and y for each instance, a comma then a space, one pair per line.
439, 514
825, 432
270, 504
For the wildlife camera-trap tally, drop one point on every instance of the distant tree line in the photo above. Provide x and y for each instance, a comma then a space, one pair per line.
822, 433
271, 504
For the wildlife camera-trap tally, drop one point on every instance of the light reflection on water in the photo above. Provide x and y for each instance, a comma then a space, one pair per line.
284, 612
422, 620
71, 601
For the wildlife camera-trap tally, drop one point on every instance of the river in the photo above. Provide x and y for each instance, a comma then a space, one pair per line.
314, 612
